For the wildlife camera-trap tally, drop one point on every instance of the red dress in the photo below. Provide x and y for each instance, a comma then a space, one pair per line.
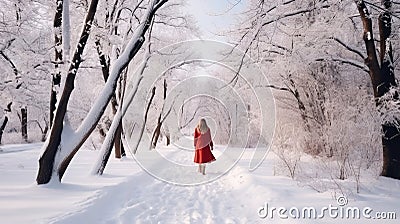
202, 143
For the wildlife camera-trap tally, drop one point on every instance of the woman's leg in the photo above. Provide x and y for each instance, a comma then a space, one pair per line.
204, 169
199, 170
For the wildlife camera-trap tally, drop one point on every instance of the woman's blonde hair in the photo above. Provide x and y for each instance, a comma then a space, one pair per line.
202, 126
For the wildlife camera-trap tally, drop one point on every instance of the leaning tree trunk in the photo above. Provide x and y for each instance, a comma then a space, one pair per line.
95, 113
106, 147
112, 133
157, 131
382, 78
46, 161
105, 68
153, 92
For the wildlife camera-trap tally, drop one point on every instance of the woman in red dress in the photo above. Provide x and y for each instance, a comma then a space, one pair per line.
203, 145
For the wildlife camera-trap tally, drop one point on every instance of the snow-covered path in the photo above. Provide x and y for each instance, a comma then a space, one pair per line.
144, 199
126, 194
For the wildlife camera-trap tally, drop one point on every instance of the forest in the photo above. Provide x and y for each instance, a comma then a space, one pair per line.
312, 82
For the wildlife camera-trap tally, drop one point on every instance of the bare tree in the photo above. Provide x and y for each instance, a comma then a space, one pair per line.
23, 30
269, 35
52, 146
46, 161
115, 128
382, 76
43, 129
153, 92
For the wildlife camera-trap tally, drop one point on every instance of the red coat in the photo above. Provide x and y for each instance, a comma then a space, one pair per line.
202, 143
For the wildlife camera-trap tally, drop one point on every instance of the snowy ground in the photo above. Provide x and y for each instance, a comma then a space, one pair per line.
126, 194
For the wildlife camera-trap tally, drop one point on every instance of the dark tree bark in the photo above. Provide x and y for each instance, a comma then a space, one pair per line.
43, 130
300, 104
131, 53
391, 138
153, 92
56, 76
292, 89
157, 131
168, 138
382, 78
14, 68
119, 147
118, 131
44, 133
111, 134
5, 120
24, 123
46, 161
105, 68
3, 126
18, 12
104, 60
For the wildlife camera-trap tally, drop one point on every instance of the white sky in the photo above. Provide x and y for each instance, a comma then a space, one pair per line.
214, 15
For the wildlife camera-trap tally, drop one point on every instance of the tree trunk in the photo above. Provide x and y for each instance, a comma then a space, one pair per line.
123, 153
105, 68
117, 142
168, 138
46, 161
3, 126
5, 121
56, 76
116, 123
121, 63
44, 133
391, 137
157, 131
153, 92
24, 123
382, 78
391, 152
106, 147
118, 135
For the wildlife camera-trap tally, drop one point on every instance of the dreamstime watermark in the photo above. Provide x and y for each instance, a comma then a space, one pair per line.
339, 211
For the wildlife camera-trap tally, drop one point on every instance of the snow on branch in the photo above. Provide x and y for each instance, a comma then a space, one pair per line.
14, 68
98, 108
349, 47
109, 140
345, 61
377, 7
286, 15
275, 87
236, 76
389, 107
120, 64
